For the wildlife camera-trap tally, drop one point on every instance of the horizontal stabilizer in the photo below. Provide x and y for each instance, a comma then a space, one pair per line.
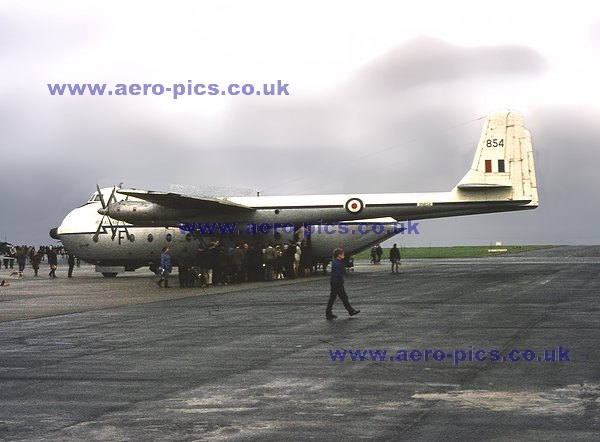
482, 186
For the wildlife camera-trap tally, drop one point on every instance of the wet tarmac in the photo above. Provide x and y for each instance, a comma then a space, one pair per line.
120, 359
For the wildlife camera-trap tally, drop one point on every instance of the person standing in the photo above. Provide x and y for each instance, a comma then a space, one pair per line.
36, 260
278, 262
52, 261
213, 251
203, 263
269, 259
395, 258
71, 261
254, 263
21, 258
305, 258
237, 264
337, 286
378, 253
185, 270
166, 267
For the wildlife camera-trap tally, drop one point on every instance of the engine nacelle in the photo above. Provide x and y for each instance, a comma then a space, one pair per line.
145, 213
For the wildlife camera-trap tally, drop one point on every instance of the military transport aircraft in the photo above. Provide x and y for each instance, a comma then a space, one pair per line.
115, 246
128, 227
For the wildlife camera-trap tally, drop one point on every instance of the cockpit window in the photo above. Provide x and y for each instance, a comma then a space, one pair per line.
95, 197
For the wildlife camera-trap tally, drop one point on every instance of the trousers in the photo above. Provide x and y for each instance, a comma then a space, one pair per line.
337, 289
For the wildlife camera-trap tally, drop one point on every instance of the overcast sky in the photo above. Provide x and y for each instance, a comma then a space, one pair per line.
383, 97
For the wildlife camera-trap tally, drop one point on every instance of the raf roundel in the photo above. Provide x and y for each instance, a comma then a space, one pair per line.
354, 205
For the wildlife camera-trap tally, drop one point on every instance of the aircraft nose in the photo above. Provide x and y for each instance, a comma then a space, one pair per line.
54, 233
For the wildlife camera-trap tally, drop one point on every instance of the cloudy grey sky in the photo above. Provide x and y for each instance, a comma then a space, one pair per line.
383, 97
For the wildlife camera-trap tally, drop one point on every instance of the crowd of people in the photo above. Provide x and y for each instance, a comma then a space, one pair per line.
216, 264
24, 255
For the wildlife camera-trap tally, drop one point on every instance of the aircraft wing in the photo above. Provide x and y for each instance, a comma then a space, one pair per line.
178, 201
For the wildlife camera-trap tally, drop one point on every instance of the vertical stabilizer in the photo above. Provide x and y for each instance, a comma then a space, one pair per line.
504, 159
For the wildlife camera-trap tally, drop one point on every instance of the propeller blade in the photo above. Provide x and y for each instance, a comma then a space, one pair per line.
101, 197
112, 195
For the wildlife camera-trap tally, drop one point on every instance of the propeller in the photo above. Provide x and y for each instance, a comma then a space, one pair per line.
104, 212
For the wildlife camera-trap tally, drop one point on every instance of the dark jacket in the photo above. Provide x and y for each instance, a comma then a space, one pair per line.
165, 262
52, 258
22, 255
203, 259
36, 260
237, 258
337, 272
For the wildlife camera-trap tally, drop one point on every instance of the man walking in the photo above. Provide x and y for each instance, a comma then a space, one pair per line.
337, 286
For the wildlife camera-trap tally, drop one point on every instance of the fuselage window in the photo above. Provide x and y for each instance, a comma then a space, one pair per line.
169, 237
150, 237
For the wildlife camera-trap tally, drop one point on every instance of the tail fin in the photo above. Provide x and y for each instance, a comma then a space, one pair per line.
504, 160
